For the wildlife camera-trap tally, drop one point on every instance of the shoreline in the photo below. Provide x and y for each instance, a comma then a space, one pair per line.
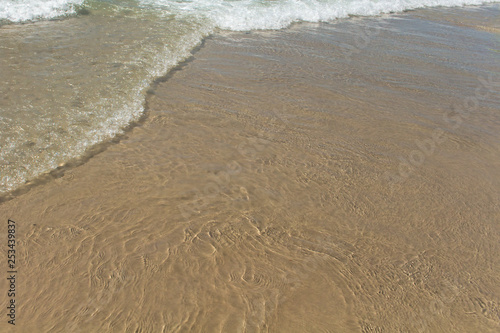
254, 194
102, 146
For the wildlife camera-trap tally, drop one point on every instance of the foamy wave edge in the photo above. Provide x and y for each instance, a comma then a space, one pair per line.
31, 10
245, 15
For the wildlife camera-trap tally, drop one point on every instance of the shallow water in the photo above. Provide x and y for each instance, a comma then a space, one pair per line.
78, 75
71, 84
294, 181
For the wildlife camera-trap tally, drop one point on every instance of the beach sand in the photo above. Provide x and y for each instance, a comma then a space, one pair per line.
322, 178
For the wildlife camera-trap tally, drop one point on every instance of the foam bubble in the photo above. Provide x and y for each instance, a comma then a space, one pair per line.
26, 10
241, 15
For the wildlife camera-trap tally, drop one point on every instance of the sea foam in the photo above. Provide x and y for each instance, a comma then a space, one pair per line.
245, 15
27, 10
239, 15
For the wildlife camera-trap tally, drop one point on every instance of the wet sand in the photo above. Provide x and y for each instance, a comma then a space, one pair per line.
324, 178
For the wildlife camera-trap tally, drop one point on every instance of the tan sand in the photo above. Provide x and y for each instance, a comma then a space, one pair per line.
292, 181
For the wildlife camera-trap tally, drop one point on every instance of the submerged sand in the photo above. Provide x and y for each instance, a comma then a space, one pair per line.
338, 177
